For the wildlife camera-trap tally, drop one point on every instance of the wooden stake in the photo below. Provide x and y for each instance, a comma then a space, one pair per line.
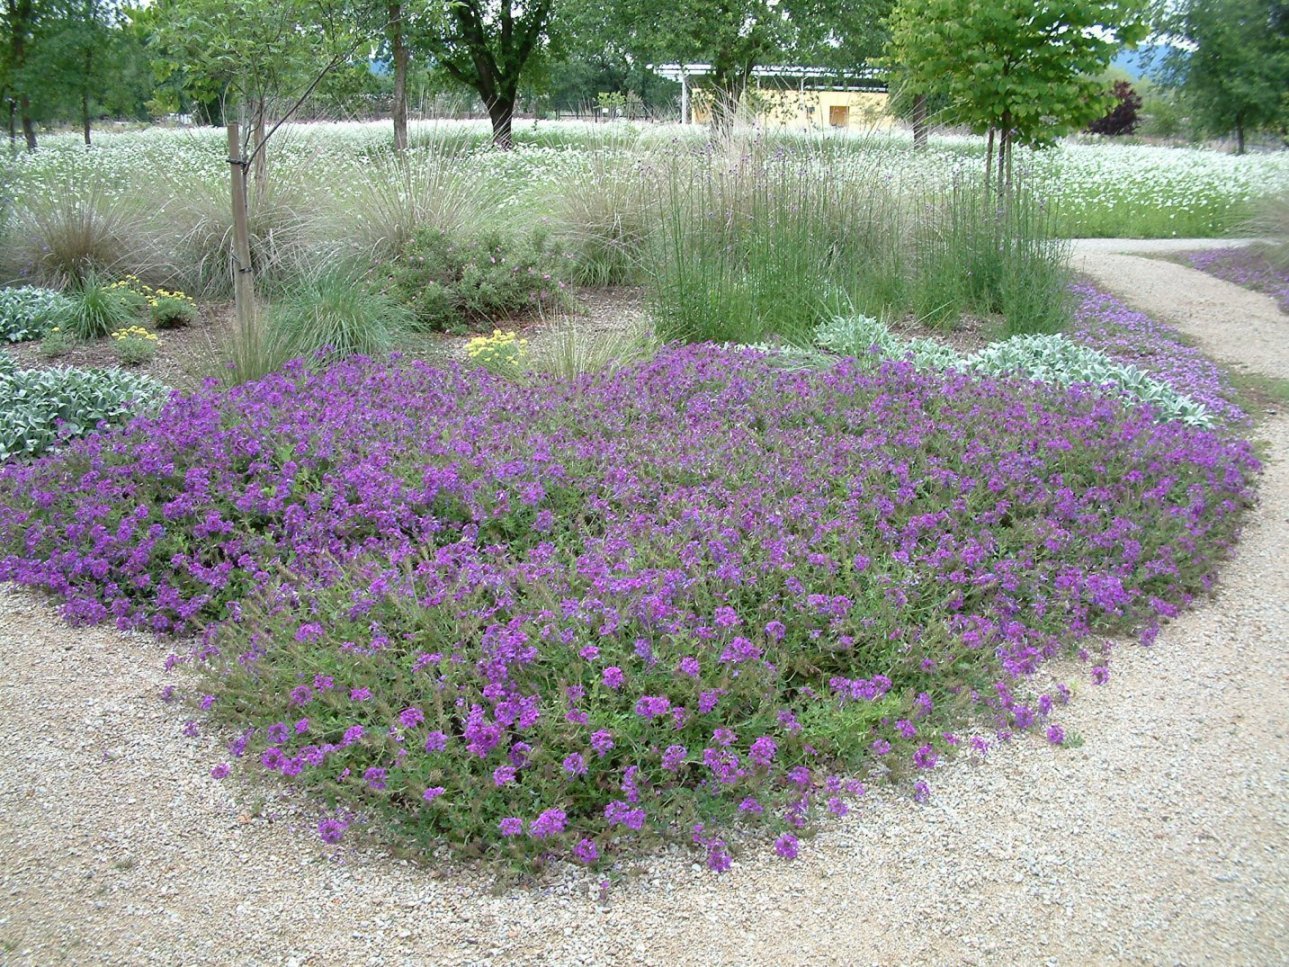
243, 278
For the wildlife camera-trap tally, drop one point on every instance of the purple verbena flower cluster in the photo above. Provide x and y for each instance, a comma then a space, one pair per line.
1249, 267
564, 617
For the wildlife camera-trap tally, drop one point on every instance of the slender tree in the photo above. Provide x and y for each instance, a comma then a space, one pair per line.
1234, 70
1021, 71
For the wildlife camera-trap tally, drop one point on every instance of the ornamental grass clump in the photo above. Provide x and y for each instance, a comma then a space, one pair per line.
572, 619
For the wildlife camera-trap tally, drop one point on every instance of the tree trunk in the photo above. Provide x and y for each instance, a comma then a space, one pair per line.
919, 122
399, 50
85, 96
28, 125
13, 125
1239, 135
261, 165
501, 110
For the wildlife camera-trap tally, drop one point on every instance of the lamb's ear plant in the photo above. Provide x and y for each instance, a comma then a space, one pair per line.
31, 312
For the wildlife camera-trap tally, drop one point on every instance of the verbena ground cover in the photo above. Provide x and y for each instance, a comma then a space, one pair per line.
1249, 267
572, 617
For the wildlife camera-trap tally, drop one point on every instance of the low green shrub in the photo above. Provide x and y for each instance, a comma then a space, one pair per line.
57, 342
134, 346
458, 285
171, 310
340, 311
30, 312
42, 408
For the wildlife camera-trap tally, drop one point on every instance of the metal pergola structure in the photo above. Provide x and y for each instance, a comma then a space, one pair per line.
867, 80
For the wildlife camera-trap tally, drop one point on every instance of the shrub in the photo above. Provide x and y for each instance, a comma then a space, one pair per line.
502, 352
100, 308
453, 286
57, 342
171, 310
42, 408
337, 310
570, 619
30, 312
1122, 118
134, 346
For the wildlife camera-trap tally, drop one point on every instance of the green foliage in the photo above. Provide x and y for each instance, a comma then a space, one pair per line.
338, 311
29, 312
134, 345
57, 342
572, 350
1022, 69
991, 254
171, 310
1237, 75
41, 408
455, 285
99, 308
755, 249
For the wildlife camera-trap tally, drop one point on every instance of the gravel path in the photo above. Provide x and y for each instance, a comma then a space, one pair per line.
1162, 839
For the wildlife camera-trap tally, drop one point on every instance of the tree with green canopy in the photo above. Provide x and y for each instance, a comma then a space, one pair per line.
1232, 65
1021, 71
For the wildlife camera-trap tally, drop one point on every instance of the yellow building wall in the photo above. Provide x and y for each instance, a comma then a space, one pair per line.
805, 110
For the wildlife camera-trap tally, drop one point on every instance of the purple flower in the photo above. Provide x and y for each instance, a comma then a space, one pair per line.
1100, 674
726, 617
433, 793
652, 706
881, 747
689, 666
763, 751
511, 826
786, 846
586, 852
1055, 734
219, 771
751, 805
613, 677
925, 757
436, 742
410, 718
674, 757
724, 736
301, 695
331, 831
549, 823
575, 764
375, 777
601, 742
359, 694
503, 775
921, 791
